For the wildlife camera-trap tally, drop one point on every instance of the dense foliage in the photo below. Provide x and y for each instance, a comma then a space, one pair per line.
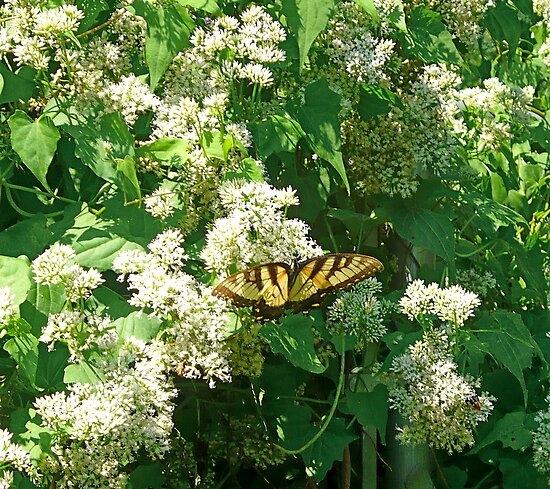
151, 148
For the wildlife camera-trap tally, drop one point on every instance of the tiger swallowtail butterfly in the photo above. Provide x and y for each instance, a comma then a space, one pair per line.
272, 287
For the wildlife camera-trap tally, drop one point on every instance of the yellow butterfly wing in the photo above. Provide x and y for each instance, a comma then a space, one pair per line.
264, 287
321, 275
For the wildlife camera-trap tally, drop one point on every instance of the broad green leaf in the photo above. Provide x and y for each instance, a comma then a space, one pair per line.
294, 339
35, 142
376, 100
169, 151
168, 29
82, 373
518, 472
293, 425
248, 170
24, 350
359, 226
428, 39
100, 146
503, 22
368, 6
51, 367
509, 342
498, 188
397, 16
313, 188
306, 19
427, 229
91, 9
277, 134
15, 274
147, 477
111, 303
210, 6
531, 269
327, 449
319, 119
370, 408
45, 299
29, 237
513, 430
138, 325
490, 215
127, 177
17, 86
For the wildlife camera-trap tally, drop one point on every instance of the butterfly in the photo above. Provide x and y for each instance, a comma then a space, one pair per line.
272, 287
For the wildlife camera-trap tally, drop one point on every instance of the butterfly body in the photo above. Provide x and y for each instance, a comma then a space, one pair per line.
272, 287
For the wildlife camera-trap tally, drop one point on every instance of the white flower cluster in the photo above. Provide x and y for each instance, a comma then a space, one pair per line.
541, 440
100, 428
80, 332
451, 304
353, 49
30, 32
8, 308
440, 405
358, 312
194, 343
159, 203
12, 456
55, 266
255, 230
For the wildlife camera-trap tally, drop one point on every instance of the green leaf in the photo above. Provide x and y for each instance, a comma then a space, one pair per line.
427, 229
51, 366
138, 325
210, 6
82, 373
91, 9
17, 86
498, 188
15, 274
35, 142
503, 22
370, 408
249, 170
169, 151
509, 342
127, 177
511, 431
100, 146
306, 19
318, 117
327, 449
147, 477
46, 299
428, 39
397, 16
29, 237
376, 100
294, 339
23, 348
277, 134
368, 6
168, 30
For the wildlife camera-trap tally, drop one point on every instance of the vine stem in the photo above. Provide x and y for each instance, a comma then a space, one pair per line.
332, 409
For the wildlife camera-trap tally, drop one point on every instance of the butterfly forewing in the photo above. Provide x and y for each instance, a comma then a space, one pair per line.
336, 271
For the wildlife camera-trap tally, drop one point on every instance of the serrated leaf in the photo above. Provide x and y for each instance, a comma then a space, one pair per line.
306, 19
370, 408
511, 431
428, 39
35, 142
318, 117
137, 325
100, 146
327, 449
15, 274
168, 30
509, 342
427, 229
24, 350
294, 339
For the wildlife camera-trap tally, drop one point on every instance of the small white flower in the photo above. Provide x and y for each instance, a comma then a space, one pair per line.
51, 266
8, 308
159, 203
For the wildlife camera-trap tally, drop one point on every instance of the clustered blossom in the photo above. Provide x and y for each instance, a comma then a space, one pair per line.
12, 456
101, 427
159, 203
8, 308
80, 332
255, 230
194, 342
476, 282
440, 405
451, 304
541, 440
55, 266
358, 312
